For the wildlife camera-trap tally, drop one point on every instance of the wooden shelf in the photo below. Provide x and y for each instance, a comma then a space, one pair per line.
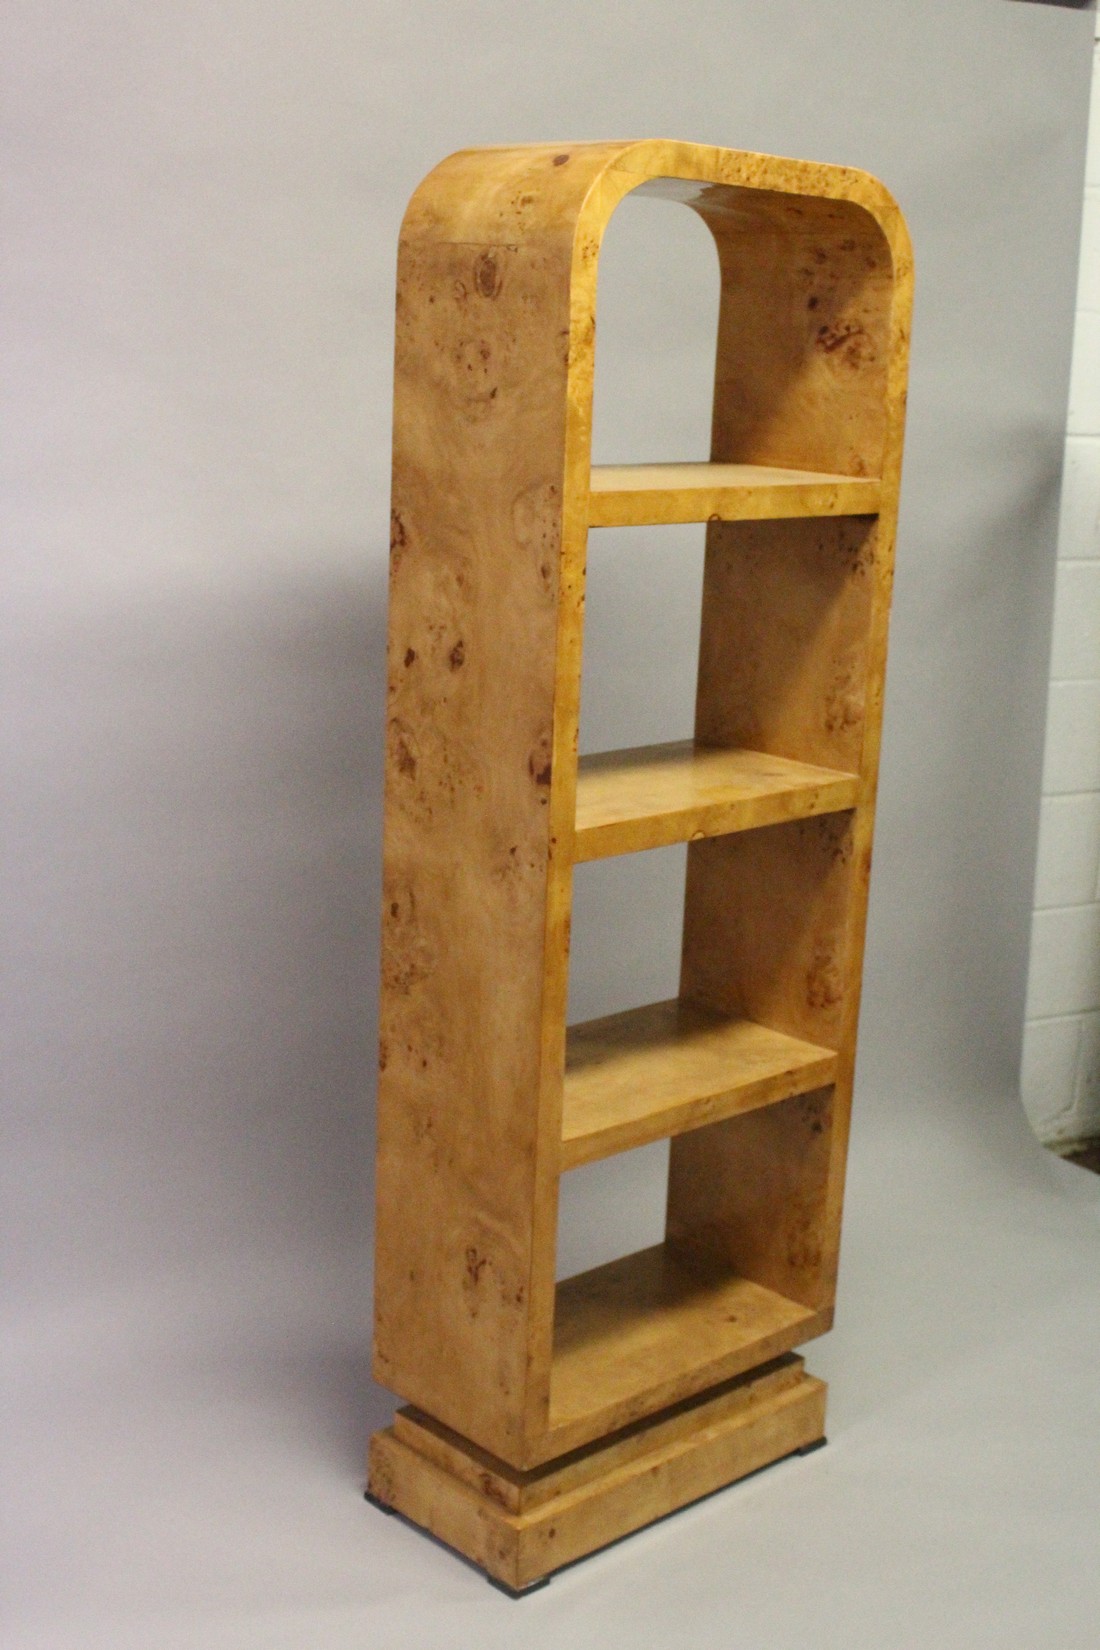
658, 794
652, 1324
653, 495
668, 1067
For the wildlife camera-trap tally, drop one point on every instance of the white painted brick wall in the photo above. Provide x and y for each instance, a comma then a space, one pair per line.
1061, 1063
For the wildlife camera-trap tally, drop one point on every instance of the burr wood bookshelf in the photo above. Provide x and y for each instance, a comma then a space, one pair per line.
545, 1419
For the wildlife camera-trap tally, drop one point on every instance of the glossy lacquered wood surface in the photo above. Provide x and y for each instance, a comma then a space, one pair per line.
643, 1332
654, 795
521, 1527
641, 495
653, 1072
488, 810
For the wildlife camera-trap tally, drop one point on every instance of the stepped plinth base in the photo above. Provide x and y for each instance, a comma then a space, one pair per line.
519, 1527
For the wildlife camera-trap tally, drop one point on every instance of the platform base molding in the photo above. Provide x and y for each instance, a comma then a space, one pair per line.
519, 1527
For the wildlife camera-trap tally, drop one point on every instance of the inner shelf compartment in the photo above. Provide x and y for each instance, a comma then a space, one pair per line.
652, 1327
653, 495
655, 795
656, 1071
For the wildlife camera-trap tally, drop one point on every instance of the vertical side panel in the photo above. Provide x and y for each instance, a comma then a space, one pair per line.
812, 353
750, 1193
785, 637
803, 334
768, 932
479, 426
765, 926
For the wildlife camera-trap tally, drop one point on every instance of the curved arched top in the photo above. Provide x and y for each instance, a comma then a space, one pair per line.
816, 270
530, 192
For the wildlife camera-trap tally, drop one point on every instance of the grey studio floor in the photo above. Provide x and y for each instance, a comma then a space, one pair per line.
202, 216
188, 1470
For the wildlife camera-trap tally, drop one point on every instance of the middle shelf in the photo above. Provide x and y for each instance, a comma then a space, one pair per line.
653, 495
654, 795
651, 1072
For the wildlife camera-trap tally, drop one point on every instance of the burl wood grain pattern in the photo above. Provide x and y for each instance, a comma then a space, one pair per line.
637, 1334
474, 610
749, 1195
523, 1491
656, 1071
487, 809
655, 795
522, 1526
652, 495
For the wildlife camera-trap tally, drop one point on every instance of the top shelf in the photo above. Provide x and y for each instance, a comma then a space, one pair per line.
655, 495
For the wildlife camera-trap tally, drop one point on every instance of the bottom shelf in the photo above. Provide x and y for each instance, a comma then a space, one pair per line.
652, 1328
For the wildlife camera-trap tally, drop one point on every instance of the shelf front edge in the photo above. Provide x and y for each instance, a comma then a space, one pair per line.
657, 795
664, 495
693, 1067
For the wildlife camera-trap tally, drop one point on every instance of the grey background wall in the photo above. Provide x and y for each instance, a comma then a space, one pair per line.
203, 210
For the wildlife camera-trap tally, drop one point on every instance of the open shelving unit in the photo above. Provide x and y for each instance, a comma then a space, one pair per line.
546, 1418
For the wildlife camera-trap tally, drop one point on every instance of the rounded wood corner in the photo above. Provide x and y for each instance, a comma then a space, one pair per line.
519, 192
